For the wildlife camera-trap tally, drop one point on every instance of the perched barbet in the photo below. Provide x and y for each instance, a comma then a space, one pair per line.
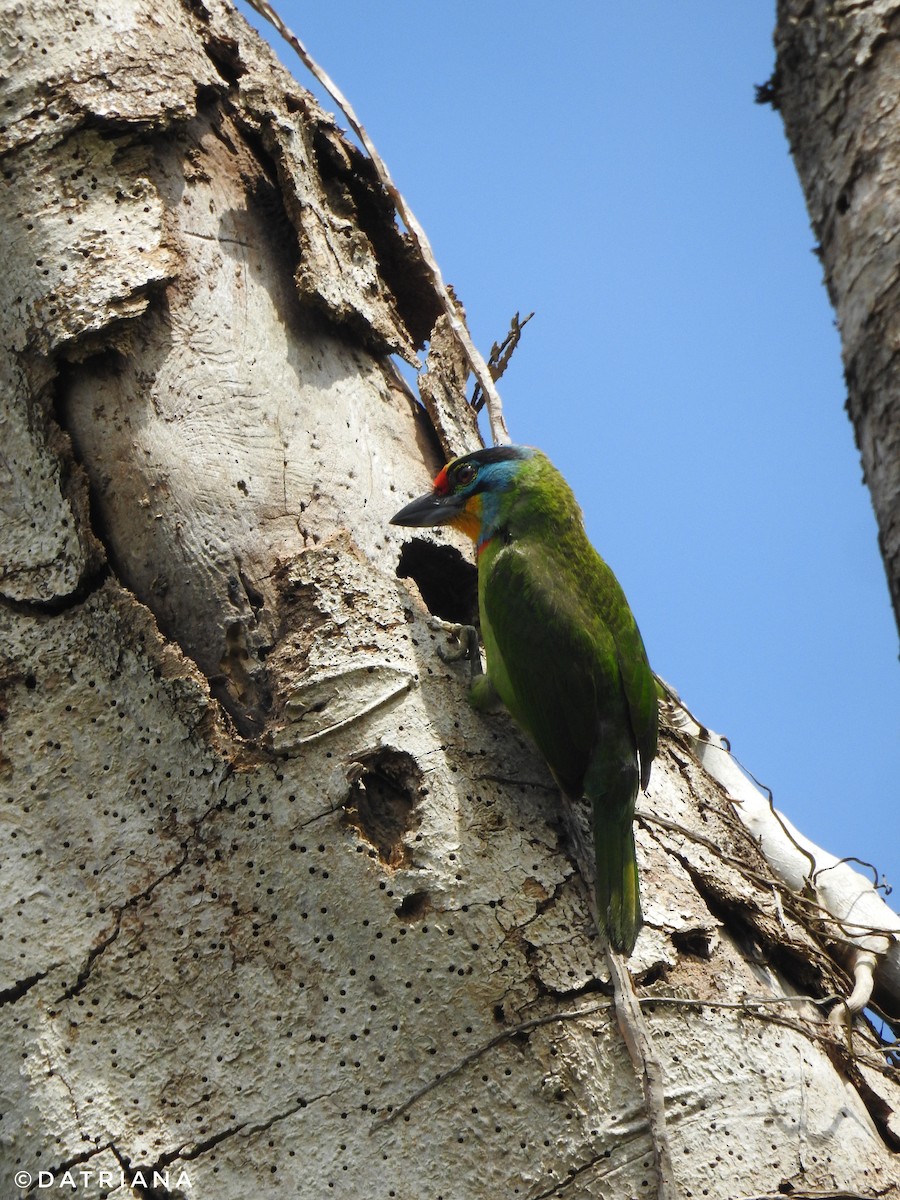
564, 653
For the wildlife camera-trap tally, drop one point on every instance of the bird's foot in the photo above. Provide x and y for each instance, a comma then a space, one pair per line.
483, 695
468, 644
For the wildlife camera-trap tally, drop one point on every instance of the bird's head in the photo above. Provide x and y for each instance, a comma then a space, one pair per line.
468, 492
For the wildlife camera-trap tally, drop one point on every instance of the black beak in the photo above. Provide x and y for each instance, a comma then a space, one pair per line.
431, 509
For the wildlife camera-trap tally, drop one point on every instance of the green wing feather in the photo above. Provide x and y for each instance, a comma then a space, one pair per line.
566, 657
554, 667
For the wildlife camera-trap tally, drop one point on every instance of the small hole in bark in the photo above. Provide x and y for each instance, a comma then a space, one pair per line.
447, 583
413, 907
697, 942
225, 55
385, 786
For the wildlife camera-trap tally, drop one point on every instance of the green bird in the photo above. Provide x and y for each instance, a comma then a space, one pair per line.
564, 653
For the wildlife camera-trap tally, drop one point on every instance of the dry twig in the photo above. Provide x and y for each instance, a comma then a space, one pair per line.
636, 1036
500, 356
503, 1036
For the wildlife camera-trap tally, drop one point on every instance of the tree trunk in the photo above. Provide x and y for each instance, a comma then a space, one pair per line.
836, 82
281, 914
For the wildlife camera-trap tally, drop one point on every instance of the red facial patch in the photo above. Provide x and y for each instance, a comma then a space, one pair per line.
442, 482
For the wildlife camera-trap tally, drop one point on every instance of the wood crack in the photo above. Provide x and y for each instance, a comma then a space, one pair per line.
94, 953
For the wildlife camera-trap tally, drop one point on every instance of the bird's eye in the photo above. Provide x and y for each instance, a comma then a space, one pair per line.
465, 474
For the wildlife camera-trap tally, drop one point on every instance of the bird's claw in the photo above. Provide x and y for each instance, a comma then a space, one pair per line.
468, 644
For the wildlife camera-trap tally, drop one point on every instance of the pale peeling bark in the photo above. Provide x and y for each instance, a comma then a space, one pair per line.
837, 84
281, 914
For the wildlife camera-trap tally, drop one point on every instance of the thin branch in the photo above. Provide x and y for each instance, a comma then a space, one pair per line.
646, 1065
883, 885
821, 1032
473, 1055
750, 1005
499, 432
746, 795
813, 909
500, 356
692, 835
812, 915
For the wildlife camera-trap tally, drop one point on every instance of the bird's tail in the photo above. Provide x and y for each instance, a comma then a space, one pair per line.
612, 781
618, 894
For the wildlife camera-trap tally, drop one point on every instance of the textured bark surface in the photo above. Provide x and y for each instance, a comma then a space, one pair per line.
837, 84
280, 914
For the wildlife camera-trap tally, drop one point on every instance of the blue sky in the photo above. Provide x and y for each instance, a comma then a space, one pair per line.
605, 166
